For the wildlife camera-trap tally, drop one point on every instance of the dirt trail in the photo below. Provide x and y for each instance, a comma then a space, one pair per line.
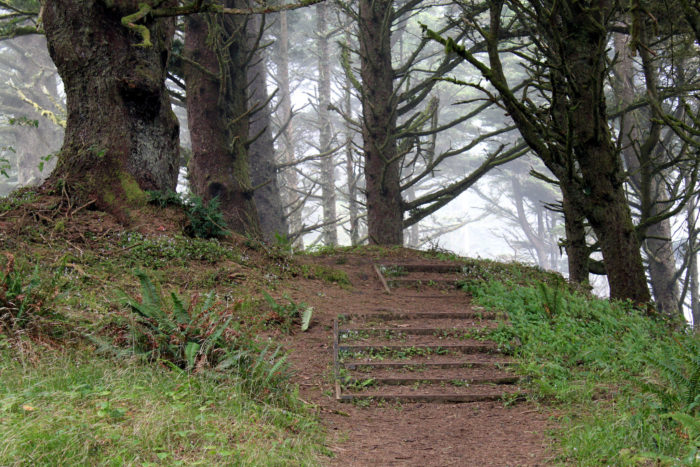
404, 434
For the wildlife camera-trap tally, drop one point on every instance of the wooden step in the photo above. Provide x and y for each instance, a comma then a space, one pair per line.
401, 315
425, 348
427, 365
453, 332
402, 381
440, 268
408, 282
434, 398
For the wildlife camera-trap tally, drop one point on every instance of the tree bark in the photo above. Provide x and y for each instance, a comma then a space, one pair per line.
351, 174
121, 134
585, 157
290, 196
217, 113
261, 152
382, 177
330, 230
577, 251
649, 186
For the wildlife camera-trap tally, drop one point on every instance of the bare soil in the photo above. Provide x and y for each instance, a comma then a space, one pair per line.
407, 434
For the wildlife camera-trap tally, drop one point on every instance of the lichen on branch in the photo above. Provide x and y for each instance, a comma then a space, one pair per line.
129, 21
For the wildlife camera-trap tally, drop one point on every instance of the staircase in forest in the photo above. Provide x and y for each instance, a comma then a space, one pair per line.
431, 347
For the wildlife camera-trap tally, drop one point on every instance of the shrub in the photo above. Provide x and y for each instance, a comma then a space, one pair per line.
205, 219
190, 336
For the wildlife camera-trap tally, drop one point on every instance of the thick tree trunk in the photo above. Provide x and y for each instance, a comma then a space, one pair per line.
217, 104
649, 186
121, 134
261, 152
582, 44
330, 230
382, 178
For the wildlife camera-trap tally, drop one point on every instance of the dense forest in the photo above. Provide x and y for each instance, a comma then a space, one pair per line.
324, 123
565, 132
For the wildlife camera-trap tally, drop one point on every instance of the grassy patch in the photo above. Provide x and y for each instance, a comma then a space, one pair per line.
138, 250
596, 361
73, 409
324, 273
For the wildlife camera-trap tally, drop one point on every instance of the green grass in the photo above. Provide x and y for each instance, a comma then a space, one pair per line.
594, 360
74, 409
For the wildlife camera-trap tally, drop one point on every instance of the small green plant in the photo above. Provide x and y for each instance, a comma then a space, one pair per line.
677, 382
24, 299
393, 271
162, 251
286, 315
283, 242
5, 165
165, 198
263, 374
190, 336
205, 219
689, 428
359, 384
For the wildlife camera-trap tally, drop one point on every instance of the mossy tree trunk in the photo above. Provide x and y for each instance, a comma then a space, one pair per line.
261, 153
582, 46
121, 134
382, 164
217, 112
578, 147
577, 250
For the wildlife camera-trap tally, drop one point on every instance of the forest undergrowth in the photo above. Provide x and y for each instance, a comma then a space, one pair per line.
624, 382
150, 347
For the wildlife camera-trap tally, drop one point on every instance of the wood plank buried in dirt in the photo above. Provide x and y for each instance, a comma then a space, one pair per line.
427, 267
382, 280
427, 365
425, 348
435, 398
407, 282
393, 315
398, 381
442, 332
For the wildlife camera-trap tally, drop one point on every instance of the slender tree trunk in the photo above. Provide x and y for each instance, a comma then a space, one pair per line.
330, 231
121, 134
350, 173
291, 197
217, 104
382, 165
535, 240
577, 251
261, 152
